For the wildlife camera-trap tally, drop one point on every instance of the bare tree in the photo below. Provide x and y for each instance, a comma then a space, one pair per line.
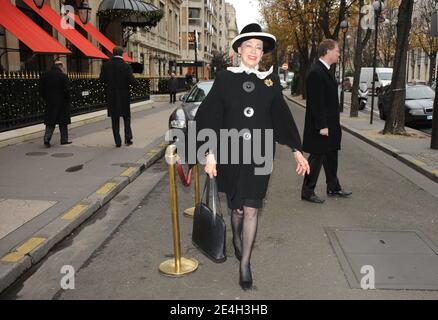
395, 123
421, 36
360, 44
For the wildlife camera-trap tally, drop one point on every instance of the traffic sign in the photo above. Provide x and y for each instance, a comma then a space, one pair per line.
284, 66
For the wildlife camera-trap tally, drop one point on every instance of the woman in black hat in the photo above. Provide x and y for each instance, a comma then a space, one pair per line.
248, 100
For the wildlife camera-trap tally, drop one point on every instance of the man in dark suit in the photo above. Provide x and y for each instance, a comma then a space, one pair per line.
173, 86
54, 89
322, 129
117, 76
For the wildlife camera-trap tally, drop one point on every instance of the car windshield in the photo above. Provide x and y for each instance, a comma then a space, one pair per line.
385, 75
199, 92
419, 92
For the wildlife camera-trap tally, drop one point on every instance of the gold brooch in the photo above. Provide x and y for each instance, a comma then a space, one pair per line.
269, 82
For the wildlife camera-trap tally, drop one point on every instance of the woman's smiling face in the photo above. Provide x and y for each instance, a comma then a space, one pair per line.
251, 52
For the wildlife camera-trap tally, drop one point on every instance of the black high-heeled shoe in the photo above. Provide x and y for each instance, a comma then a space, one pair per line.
245, 282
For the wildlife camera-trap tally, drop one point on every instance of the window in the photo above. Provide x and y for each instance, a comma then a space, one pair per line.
194, 13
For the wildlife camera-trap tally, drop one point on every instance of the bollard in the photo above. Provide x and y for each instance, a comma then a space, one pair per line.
191, 211
179, 266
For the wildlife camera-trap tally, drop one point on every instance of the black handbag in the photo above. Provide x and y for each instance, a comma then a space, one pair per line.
209, 229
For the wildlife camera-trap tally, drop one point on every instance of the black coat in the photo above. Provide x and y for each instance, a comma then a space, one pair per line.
117, 76
322, 111
173, 85
223, 108
54, 89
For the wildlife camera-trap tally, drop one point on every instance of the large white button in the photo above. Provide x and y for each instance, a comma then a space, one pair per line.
247, 136
248, 86
248, 112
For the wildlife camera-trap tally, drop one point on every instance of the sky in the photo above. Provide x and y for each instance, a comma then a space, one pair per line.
247, 11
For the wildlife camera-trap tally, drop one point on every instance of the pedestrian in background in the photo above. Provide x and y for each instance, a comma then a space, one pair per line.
322, 129
173, 86
117, 75
54, 89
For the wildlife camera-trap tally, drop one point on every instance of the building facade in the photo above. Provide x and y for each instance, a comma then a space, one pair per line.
418, 62
208, 22
167, 47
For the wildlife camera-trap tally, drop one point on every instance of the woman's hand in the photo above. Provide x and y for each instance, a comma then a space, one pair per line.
302, 164
210, 166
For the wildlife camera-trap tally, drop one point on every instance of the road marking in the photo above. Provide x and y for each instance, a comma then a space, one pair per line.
74, 212
24, 249
128, 172
106, 188
419, 163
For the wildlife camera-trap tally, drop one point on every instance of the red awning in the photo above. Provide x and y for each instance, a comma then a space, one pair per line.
28, 32
72, 35
101, 38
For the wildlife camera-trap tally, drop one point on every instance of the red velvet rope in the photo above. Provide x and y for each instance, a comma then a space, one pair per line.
186, 180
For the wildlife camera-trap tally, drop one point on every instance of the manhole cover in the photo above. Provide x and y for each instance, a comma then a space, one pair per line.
75, 168
396, 259
35, 154
62, 155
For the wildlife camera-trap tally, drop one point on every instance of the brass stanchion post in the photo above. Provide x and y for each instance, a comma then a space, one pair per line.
191, 211
178, 266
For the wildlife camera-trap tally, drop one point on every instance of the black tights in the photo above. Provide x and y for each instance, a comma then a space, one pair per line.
244, 226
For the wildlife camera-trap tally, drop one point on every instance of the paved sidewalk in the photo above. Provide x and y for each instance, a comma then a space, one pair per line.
45, 193
413, 150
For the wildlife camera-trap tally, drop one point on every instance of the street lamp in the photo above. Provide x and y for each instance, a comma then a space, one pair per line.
344, 27
39, 3
84, 10
378, 7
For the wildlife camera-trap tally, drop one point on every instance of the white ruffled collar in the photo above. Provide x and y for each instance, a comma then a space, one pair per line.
243, 68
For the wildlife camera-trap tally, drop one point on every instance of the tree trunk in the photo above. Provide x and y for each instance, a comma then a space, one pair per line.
395, 123
360, 44
432, 67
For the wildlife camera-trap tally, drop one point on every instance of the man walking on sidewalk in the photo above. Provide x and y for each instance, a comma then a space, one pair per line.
117, 76
173, 86
322, 129
54, 89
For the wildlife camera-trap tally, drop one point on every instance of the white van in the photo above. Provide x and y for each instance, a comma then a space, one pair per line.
383, 77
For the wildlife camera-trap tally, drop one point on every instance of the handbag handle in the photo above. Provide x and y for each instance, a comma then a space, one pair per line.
210, 194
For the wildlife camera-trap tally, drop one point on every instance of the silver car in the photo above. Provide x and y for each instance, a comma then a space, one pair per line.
190, 104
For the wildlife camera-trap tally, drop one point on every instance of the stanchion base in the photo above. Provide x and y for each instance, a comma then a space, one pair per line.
168, 268
190, 212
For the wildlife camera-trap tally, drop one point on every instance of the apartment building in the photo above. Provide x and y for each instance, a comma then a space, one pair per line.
209, 21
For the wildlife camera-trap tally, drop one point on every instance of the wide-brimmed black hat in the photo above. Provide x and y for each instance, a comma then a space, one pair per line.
254, 31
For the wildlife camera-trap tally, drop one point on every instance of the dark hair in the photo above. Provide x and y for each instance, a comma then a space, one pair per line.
325, 46
118, 51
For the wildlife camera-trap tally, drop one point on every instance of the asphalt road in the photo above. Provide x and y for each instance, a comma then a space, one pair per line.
292, 257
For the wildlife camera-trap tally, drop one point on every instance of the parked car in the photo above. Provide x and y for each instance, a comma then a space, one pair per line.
418, 103
186, 111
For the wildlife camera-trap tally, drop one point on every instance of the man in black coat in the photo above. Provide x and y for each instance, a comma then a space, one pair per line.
322, 129
54, 89
117, 76
173, 86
